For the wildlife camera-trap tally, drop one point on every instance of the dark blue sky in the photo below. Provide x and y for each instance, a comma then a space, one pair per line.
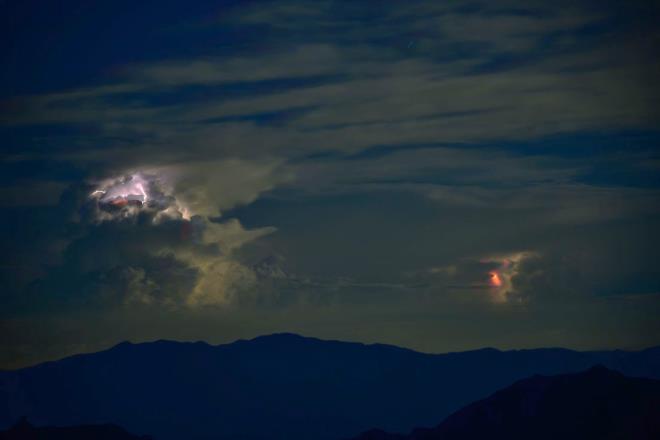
439, 175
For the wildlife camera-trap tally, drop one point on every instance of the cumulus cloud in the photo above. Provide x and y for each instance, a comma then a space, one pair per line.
501, 278
134, 240
133, 194
491, 278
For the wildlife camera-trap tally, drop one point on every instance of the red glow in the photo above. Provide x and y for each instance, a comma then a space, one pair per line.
495, 279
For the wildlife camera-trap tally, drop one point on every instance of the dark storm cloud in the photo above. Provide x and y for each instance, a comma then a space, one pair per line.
96, 252
346, 162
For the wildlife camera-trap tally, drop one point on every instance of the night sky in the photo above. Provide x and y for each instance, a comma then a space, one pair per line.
439, 175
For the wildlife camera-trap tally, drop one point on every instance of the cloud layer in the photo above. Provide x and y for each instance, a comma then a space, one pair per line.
465, 167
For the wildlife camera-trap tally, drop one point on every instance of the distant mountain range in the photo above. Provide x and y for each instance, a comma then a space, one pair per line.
281, 386
595, 404
23, 430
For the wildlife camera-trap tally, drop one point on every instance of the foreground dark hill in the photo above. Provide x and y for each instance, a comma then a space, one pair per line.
596, 404
277, 387
23, 430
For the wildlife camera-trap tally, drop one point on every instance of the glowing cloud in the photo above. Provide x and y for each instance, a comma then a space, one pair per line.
125, 196
131, 187
500, 280
495, 280
191, 240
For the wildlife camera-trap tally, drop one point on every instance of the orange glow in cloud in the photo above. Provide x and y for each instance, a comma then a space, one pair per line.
495, 279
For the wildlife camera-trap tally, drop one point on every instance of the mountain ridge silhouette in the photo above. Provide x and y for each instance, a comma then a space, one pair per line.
598, 403
281, 386
24, 430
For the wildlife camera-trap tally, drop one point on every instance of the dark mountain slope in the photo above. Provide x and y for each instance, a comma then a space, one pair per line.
595, 404
277, 387
23, 430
